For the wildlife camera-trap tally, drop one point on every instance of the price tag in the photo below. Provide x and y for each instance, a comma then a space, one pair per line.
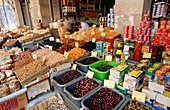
74, 67
103, 34
146, 55
37, 44
108, 58
112, 26
101, 29
58, 21
83, 33
65, 19
66, 54
71, 37
109, 83
51, 38
94, 54
34, 56
1, 38
90, 74
50, 47
65, 36
61, 20
57, 40
101, 26
139, 96
111, 30
92, 33
43, 59
93, 40
77, 44
10, 35
94, 26
23, 49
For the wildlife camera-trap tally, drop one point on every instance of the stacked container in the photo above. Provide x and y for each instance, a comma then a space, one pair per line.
110, 18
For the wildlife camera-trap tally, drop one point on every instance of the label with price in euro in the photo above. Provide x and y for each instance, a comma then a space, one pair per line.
139, 96
109, 83
90, 74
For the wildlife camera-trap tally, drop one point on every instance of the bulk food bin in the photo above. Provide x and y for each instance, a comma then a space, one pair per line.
61, 86
83, 67
101, 74
69, 88
87, 100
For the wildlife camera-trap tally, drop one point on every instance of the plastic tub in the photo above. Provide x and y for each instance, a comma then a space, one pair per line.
128, 101
61, 86
77, 101
87, 100
101, 74
83, 67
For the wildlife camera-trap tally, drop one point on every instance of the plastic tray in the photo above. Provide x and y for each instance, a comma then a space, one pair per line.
100, 74
77, 101
88, 98
128, 101
82, 67
61, 86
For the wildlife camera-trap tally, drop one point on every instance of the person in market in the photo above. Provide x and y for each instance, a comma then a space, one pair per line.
82, 25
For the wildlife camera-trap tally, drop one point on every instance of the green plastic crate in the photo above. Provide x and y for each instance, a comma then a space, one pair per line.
102, 74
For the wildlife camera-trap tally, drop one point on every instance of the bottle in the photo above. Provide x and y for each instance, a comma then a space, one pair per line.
126, 49
118, 52
138, 49
131, 50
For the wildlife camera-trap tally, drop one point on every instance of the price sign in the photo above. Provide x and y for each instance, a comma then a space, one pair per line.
77, 44
61, 20
43, 59
65, 36
139, 96
92, 33
74, 67
103, 34
51, 38
50, 47
101, 26
71, 37
65, 19
57, 40
146, 55
1, 38
37, 44
109, 83
34, 56
108, 58
94, 26
23, 49
90, 74
111, 30
10, 35
66, 54
93, 40
83, 33
94, 54
112, 26
58, 21
101, 29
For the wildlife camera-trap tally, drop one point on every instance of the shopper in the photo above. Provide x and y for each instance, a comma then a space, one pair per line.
82, 25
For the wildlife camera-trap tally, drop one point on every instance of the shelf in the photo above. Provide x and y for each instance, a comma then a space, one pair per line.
159, 3
158, 17
87, 10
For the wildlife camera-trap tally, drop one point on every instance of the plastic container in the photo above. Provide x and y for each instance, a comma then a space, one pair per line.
87, 100
61, 86
83, 67
101, 74
128, 101
69, 87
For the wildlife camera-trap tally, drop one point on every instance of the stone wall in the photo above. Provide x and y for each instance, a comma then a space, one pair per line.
56, 9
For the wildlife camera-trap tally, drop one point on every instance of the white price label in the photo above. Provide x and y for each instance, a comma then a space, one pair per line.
94, 54
51, 38
66, 54
74, 67
93, 40
108, 58
90, 74
109, 83
50, 47
34, 56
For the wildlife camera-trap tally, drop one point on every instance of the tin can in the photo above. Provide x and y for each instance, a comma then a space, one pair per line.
148, 31
118, 60
111, 41
108, 16
144, 31
130, 36
168, 34
108, 24
139, 31
145, 17
140, 37
159, 31
168, 25
131, 30
147, 24
125, 29
100, 19
155, 38
166, 40
99, 46
103, 19
136, 37
125, 35
112, 20
167, 48
74, 9
164, 32
100, 55
112, 16
145, 38
106, 47
148, 13
160, 40
163, 24
109, 21
149, 38
142, 24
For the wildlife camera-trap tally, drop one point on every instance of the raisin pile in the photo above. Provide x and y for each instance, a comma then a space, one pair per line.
104, 67
89, 60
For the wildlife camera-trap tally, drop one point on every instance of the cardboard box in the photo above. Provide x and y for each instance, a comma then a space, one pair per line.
15, 103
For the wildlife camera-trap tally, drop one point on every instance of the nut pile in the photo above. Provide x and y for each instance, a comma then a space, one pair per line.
105, 100
53, 57
76, 53
89, 60
10, 42
42, 52
136, 106
84, 86
64, 48
21, 56
30, 69
68, 76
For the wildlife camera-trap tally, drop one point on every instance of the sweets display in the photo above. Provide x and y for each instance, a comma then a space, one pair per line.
104, 99
76, 53
30, 69
68, 76
84, 86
